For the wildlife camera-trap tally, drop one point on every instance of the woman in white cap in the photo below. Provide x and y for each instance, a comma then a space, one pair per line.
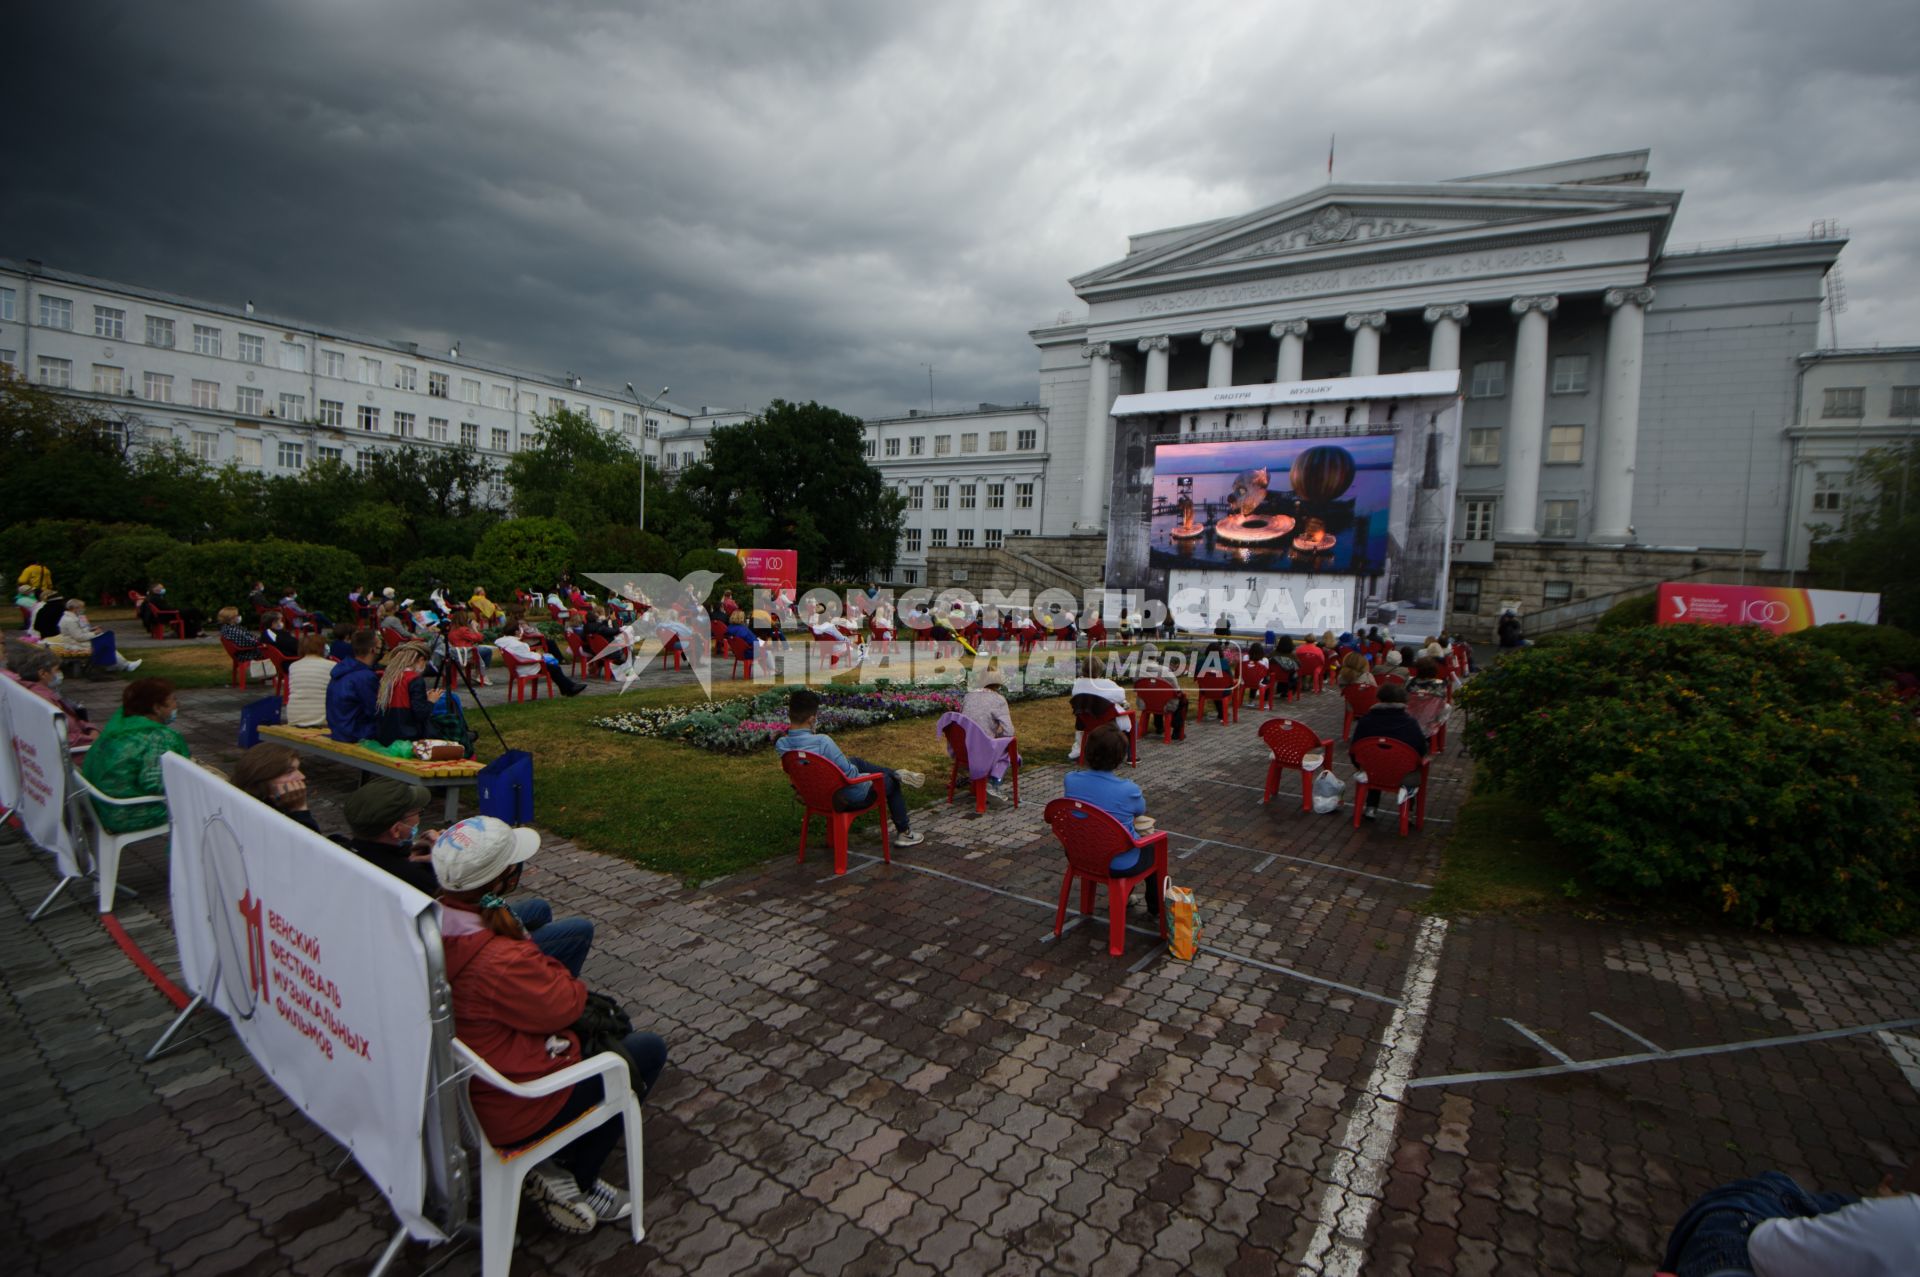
515, 1007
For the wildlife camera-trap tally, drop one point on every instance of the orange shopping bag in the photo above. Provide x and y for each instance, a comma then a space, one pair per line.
1183, 922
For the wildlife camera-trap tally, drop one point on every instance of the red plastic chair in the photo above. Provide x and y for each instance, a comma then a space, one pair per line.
1091, 839
1313, 668
1387, 763
265, 652
280, 660
1088, 722
390, 639
1359, 698
1291, 741
672, 655
524, 677
575, 650
742, 657
718, 630
815, 781
1157, 696
1398, 680
1222, 690
595, 646
956, 737
1257, 683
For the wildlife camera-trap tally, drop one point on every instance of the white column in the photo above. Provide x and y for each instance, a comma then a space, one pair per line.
1099, 460
1157, 351
1526, 418
1619, 415
1366, 327
1220, 343
1443, 352
1292, 335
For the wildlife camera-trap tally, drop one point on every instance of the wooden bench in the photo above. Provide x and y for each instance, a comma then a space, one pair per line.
449, 776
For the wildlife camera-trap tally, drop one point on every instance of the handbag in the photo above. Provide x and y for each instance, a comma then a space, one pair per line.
603, 1026
505, 787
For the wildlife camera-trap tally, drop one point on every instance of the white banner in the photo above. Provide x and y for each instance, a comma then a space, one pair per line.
315, 956
36, 768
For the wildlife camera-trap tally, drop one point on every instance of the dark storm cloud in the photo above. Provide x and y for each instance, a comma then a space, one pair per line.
815, 200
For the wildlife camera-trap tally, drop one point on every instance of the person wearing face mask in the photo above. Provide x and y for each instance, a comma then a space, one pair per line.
124, 761
39, 672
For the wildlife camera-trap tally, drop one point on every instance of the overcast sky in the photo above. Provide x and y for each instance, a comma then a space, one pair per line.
815, 200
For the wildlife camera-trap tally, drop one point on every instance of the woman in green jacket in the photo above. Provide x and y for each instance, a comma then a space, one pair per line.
125, 759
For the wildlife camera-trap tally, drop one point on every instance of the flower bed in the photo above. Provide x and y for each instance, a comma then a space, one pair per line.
746, 724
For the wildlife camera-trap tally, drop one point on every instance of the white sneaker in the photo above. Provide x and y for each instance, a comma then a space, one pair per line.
911, 779
610, 1205
129, 666
557, 1194
908, 838
998, 793
1073, 755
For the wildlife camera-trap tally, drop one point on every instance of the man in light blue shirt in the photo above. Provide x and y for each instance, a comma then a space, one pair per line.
802, 709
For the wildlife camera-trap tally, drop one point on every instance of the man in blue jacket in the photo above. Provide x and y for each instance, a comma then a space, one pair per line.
353, 693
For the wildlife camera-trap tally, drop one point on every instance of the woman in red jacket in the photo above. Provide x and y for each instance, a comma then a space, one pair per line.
515, 1007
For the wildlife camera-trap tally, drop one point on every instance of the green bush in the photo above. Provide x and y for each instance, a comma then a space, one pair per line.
1868, 648
58, 544
455, 571
1630, 614
113, 564
729, 566
617, 547
1720, 765
217, 574
525, 554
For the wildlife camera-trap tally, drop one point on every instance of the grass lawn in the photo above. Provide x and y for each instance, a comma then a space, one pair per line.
1501, 857
196, 666
698, 815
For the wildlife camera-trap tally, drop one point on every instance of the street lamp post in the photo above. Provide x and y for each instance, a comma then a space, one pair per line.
645, 408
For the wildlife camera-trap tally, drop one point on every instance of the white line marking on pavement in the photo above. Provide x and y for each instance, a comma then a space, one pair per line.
1189, 851
1538, 1041
1145, 959
1303, 860
1262, 866
1077, 919
850, 872
1615, 1024
1338, 1245
1906, 1053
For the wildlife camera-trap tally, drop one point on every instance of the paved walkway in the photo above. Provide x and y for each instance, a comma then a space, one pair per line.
902, 1071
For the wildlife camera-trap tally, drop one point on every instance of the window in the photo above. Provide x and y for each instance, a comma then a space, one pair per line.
1844, 401
1830, 491
1483, 446
1480, 520
249, 400
369, 371
1562, 520
970, 443
997, 441
1023, 495
56, 312
470, 434
868, 448
916, 446
1570, 374
1564, 444
893, 447
293, 407
206, 394
109, 323
469, 390
913, 540
1027, 440
942, 445
156, 387
109, 380
629, 423
323, 454
333, 413
502, 396
369, 417
159, 332
940, 496
996, 496
247, 451
10, 361
206, 446
916, 497
253, 348
6, 303
967, 501
117, 431
293, 356
406, 377
501, 441
437, 429
403, 424
965, 538
909, 575
363, 462
1489, 379
1905, 402
653, 427
333, 363
57, 373
937, 539
206, 341
292, 455
1554, 593
1466, 594
605, 417
555, 404
993, 536
437, 385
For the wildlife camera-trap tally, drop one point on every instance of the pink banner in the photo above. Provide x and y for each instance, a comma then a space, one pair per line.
1777, 608
773, 569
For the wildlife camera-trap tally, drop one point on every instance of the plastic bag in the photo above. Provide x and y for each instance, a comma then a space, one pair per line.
1183, 922
1327, 790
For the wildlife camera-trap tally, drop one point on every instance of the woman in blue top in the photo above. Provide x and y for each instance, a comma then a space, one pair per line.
1119, 797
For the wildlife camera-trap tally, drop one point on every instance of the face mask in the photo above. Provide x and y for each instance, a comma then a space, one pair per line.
414, 832
58, 678
171, 715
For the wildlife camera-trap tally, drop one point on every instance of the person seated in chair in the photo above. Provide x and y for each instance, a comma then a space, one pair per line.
246, 643
1388, 718
1257, 672
353, 692
1354, 672
38, 670
154, 602
515, 646
737, 628
1119, 797
78, 637
124, 761
1286, 668
1098, 701
275, 633
987, 706
802, 709
297, 616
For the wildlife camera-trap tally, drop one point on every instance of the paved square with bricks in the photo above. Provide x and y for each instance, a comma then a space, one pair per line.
902, 1071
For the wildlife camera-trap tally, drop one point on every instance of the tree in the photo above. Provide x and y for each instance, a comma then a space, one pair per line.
1873, 549
796, 477
577, 473
525, 553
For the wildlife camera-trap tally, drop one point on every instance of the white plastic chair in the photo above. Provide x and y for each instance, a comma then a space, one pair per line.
502, 1174
108, 845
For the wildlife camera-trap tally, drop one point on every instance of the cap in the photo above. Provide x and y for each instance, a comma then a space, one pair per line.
994, 678
374, 806
479, 849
